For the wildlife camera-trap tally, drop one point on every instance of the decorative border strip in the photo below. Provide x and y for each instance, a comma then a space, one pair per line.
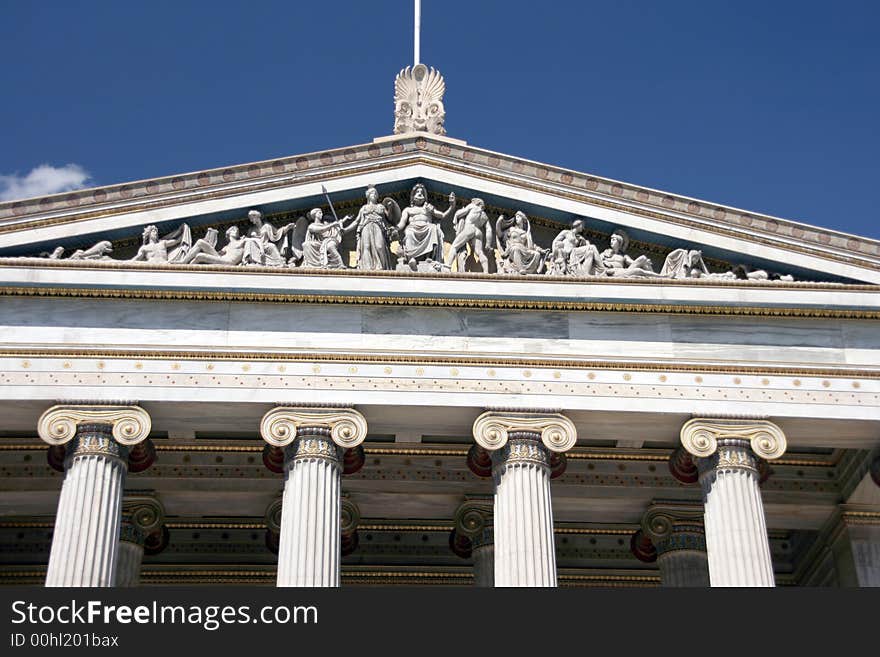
126, 265
575, 453
441, 302
686, 368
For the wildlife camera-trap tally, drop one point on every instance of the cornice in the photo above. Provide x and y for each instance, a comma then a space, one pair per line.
405, 150
440, 302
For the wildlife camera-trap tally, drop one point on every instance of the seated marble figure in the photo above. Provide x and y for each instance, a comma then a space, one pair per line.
316, 243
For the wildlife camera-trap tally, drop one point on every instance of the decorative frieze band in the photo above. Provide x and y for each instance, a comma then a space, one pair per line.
492, 428
280, 426
700, 436
131, 424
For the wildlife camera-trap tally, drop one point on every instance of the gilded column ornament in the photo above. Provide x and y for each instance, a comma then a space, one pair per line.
522, 445
310, 518
675, 530
85, 541
473, 536
727, 452
142, 515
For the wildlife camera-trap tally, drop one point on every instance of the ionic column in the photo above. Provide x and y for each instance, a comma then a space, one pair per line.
521, 445
736, 531
314, 441
142, 515
85, 542
473, 537
675, 531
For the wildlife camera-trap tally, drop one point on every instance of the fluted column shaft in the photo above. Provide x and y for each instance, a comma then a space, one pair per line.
483, 555
131, 554
736, 531
128, 569
85, 541
309, 545
525, 552
682, 560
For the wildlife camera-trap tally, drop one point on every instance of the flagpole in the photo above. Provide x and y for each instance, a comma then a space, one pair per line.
417, 29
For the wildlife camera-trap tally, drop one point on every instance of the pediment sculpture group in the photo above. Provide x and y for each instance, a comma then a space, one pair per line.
314, 242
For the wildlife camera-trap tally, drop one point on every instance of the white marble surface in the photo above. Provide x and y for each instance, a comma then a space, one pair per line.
85, 540
243, 279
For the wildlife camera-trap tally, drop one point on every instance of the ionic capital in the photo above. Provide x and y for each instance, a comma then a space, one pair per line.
667, 527
131, 424
273, 515
700, 436
143, 511
474, 516
491, 429
663, 519
279, 427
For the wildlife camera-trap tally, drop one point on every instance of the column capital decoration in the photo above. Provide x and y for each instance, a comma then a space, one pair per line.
348, 428
350, 515
131, 424
144, 511
474, 515
273, 515
663, 518
700, 436
668, 526
557, 432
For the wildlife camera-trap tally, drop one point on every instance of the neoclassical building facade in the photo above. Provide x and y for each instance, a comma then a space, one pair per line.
416, 361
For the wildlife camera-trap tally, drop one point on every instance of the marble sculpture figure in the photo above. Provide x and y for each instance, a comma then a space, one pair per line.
472, 228
315, 243
374, 233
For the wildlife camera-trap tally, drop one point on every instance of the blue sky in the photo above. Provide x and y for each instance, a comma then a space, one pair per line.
768, 106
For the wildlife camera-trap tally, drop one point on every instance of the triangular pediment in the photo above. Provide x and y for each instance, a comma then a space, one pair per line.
656, 223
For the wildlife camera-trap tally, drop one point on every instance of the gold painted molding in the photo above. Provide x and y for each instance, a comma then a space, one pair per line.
627, 366
125, 265
439, 302
57, 426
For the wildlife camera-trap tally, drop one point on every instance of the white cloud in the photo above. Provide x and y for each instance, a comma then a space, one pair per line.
42, 180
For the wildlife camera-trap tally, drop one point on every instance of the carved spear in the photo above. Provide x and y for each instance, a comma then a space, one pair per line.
330, 203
